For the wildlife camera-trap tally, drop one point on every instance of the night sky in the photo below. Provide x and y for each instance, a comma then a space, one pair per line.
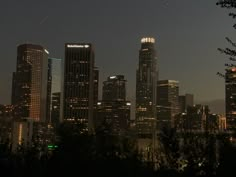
187, 32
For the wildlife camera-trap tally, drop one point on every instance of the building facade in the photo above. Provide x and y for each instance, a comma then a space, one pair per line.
31, 83
22, 134
6, 115
79, 76
96, 84
230, 98
198, 119
56, 74
167, 102
185, 101
56, 108
146, 80
56, 88
113, 117
114, 89
113, 112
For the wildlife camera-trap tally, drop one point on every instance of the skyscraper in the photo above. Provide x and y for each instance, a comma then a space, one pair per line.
167, 102
230, 98
146, 80
96, 83
31, 83
185, 101
113, 112
78, 98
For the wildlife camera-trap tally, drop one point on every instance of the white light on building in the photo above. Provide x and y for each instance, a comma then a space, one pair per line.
77, 46
45, 50
148, 40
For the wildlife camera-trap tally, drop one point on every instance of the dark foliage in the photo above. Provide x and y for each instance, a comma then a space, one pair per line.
95, 155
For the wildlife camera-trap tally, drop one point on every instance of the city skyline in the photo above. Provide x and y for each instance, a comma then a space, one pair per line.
186, 42
118, 88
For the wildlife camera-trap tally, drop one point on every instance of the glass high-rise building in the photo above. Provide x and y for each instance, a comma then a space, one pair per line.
31, 83
230, 98
56, 87
56, 74
146, 80
79, 81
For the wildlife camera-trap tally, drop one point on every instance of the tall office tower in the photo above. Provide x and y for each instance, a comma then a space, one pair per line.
167, 102
96, 82
114, 89
146, 80
49, 89
78, 98
113, 112
31, 83
230, 98
185, 101
56, 84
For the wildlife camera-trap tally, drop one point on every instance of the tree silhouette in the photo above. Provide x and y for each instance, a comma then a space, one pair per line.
102, 154
230, 52
227, 153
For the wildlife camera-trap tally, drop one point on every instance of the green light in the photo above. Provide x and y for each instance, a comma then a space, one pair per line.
52, 146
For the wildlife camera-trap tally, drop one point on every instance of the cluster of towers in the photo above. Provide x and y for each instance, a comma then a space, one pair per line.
41, 94
51, 90
47, 91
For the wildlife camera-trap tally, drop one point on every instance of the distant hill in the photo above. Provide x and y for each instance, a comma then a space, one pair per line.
216, 106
